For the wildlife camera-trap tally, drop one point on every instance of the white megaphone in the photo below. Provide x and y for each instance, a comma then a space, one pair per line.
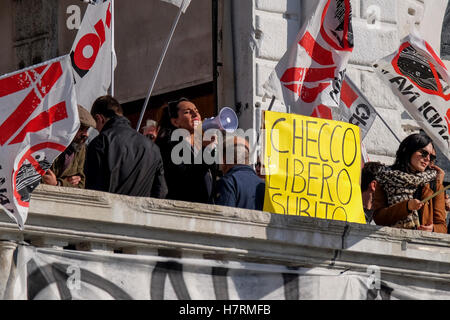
226, 120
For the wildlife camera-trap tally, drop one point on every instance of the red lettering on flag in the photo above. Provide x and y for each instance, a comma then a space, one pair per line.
108, 16
310, 94
319, 54
323, 112
100, 29
80, 60
293, 75
319, 74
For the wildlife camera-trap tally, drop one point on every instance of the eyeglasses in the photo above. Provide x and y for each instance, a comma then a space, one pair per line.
425, 154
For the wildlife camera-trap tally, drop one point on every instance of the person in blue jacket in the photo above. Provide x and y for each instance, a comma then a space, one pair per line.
240, 186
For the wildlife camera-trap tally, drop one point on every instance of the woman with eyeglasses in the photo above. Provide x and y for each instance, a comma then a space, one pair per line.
187, 175
401, 188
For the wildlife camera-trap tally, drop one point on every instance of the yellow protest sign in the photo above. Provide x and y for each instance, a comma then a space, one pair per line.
312, 167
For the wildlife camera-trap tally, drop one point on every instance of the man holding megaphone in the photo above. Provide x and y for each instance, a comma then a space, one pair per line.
190, 179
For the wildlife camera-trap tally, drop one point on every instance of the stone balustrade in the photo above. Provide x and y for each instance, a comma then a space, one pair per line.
88, 220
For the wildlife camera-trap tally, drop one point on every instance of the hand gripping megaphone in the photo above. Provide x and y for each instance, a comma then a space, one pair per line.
226, 120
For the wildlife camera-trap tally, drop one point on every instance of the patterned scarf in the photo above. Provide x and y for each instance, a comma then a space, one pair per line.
400, 186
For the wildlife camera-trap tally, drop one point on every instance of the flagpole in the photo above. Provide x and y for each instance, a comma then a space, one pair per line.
374, 109
387, 125
113, 23
172, 31
271, 103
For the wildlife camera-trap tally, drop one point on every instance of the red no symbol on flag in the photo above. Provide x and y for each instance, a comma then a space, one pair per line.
28, 176
420, 70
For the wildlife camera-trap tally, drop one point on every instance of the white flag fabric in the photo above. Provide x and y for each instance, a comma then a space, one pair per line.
355, 109
94, 2
179, 3
91, 54
419, 78
311, 72
38, 120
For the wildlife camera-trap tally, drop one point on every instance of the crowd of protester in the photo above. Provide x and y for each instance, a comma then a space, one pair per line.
121, 160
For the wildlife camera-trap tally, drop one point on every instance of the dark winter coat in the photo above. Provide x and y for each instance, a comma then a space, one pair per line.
121, 160
188, 181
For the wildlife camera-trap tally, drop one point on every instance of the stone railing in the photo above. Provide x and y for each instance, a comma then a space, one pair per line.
87, 220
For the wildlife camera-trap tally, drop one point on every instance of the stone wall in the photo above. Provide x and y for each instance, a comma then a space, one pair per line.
378, 27
64, 218
35, 31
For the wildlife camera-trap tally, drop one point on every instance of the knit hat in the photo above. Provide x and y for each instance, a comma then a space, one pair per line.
85, 117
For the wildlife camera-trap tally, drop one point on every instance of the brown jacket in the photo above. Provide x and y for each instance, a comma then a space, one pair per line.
433, 212
76, 168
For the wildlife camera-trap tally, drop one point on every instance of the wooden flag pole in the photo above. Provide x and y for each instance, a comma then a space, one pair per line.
435, 194
172, 31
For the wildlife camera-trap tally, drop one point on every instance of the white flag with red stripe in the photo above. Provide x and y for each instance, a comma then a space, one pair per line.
38, 120
420, 79
179, 3
311, 72
91, 54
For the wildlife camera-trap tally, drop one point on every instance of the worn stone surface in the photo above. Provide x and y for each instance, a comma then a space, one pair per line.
270, 28
101, 221
8, 272
35, 34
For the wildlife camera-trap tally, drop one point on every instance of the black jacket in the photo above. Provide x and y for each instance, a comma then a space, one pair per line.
188, 181
121, 160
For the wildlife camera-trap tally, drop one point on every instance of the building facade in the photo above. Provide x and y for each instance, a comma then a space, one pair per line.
263, 30
222, 51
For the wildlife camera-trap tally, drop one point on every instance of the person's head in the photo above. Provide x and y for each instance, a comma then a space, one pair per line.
415, 154
184, 115
236, 151
151, 129
172, 119
105, 108
369, 182
86, 121
368, 176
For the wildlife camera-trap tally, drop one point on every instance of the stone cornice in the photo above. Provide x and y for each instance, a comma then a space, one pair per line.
71, 216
